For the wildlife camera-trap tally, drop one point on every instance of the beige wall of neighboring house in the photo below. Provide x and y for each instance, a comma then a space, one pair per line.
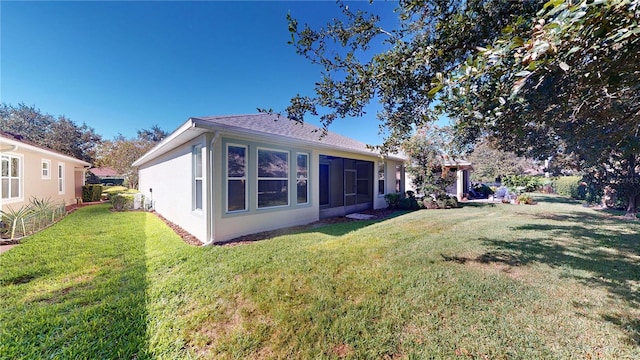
32, 171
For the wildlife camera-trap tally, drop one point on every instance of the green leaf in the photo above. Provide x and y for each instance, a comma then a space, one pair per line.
434, 91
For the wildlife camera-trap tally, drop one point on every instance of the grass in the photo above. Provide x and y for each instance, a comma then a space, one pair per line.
553, 280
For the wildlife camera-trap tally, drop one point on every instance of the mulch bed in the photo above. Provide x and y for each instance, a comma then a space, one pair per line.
247, 239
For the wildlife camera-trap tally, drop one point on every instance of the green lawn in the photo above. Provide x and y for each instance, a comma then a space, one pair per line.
553, 280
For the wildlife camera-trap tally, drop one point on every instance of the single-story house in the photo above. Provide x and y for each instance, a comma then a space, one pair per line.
226, 176
462, 169
30, 170
105, 176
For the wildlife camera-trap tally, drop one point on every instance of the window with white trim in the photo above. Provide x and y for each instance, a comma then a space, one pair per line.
273, 178
60, 178
46, 169
398, 178
10, 177
197, 177
302, 178
381, 178
236, 178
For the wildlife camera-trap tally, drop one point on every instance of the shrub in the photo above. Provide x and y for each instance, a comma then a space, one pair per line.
571, 186
447, 202
122, 202
91, 192
392, 200
528, 182
409, 203
429, 203
525, 199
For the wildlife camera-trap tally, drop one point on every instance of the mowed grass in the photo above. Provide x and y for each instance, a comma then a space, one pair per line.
553, 280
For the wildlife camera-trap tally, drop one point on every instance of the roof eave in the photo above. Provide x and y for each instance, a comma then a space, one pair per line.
19, 144
187, 131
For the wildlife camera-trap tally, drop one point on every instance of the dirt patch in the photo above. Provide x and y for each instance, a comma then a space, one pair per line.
507, 263
184, 234
342, 350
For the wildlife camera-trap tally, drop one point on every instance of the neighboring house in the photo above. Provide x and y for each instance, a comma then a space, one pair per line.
463, 170
462, 185
106, 176
30, 170
226, 176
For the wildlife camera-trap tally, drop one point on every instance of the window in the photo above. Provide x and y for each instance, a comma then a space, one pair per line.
381, 178
46, 169
273, 178
197, 177
236, 178
302, 178
10, 177
399, 178
60, 178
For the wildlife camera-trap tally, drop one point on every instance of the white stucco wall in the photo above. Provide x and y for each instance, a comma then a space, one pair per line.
170, 178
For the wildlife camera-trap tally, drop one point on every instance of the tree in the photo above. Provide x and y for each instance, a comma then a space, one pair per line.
569, 82
490, 163
540, 78
61, 134
154, 135
427, 150
121, 152
432, 38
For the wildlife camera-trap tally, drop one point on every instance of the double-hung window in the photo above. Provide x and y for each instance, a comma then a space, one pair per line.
197, 177
381, 178
236, 178
10, 177
273, 178
46, 169
60, 178
302, 178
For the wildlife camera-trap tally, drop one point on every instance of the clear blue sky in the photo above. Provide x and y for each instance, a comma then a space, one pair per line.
124, 66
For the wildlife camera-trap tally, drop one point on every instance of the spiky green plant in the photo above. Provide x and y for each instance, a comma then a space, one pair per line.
14, 218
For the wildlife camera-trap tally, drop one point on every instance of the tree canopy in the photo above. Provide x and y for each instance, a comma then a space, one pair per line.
540, 78
121, 152
59, 134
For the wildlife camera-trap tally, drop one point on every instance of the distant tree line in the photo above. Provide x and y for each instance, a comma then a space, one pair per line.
63, 135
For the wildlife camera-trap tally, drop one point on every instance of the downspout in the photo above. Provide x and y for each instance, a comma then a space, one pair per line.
210, 218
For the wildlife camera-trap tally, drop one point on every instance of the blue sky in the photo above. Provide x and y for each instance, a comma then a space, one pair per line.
124, 66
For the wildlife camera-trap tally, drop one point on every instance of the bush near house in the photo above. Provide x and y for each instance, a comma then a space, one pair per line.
527, 182
91, 192
571, 186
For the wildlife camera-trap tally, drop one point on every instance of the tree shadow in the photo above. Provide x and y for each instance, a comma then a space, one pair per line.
604, 251
335, 226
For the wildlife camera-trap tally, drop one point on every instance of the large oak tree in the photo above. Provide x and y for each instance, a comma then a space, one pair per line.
539, 78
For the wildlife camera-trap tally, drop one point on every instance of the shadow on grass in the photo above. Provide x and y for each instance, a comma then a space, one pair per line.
92, 301
555, 199
337, 226
597, 250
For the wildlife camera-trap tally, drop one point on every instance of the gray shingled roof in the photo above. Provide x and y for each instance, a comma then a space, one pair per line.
259, 125
282, 126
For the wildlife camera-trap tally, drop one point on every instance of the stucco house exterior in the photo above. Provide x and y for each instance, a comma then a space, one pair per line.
462, 169
226, 176
30, 170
